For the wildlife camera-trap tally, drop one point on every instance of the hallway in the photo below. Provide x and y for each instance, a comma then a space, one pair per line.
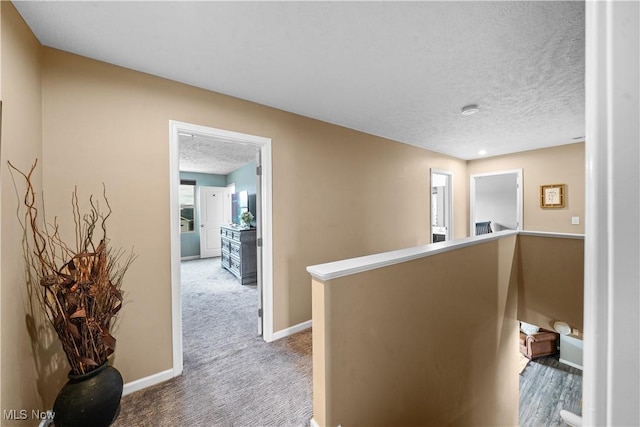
231, 376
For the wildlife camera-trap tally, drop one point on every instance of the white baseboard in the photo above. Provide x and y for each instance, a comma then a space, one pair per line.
314, 423
292, 330
188, 258
566, 362
147, 381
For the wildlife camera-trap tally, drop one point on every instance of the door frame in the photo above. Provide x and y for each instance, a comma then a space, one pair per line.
610, 386
264, 145
449, 216
472, 196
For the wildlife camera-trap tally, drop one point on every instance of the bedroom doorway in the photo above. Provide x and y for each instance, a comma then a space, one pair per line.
441, 206
263, 227
495, 199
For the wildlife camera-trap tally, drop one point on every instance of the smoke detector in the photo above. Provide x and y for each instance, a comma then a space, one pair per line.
468, 110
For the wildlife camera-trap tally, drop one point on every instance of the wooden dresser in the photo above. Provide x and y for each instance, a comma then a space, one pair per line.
239, 254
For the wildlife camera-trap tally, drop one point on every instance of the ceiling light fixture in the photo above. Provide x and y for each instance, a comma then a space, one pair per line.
482, 152
468, 110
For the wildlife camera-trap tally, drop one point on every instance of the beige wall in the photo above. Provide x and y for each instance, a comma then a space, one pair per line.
337, 193
423, 342
551, 287
426, 342
25, 363
556, 165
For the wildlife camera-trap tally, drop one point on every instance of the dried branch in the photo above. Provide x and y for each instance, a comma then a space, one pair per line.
80, 290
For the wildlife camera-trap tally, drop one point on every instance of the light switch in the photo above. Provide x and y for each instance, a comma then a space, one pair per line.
575, 220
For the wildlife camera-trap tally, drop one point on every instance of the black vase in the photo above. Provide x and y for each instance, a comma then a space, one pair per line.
91, 399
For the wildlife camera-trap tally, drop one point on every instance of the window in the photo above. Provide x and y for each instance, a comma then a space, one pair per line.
187, 206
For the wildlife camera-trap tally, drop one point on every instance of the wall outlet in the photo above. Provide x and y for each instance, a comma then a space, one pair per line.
575, 220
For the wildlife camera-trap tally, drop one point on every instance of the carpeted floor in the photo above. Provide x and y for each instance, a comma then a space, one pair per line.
231, 376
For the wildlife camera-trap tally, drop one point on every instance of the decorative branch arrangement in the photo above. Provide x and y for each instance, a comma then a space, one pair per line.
80, 290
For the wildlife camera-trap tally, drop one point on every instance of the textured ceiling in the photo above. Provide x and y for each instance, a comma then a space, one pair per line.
206, 155
402, 70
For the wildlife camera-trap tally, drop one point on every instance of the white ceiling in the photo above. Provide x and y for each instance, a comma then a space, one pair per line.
401, 70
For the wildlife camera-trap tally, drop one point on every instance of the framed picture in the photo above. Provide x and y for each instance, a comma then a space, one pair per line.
552, 196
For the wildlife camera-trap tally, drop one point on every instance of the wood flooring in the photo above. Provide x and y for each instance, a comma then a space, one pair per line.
546, 387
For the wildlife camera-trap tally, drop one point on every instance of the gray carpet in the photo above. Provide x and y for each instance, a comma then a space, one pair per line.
231, 376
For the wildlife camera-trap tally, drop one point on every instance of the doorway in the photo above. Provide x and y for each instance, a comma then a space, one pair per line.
264, 228
495, 202
441, 206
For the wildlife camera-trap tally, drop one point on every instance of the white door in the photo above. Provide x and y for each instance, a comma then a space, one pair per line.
215, 211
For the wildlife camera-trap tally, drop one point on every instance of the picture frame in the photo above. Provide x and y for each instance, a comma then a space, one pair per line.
552, 196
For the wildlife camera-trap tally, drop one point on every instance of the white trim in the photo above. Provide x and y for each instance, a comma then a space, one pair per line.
570, 418
594, 391
566, 362
334, 270
145, 382
472, 197
449, 235
264, 144
174, 210
551, 234
267, 240
313, 423
189, 258
292, 330
611, 300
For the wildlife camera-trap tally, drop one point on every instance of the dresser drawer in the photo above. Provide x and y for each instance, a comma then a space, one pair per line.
234, 248
225, 245
230, 234
225, 260
235, 266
